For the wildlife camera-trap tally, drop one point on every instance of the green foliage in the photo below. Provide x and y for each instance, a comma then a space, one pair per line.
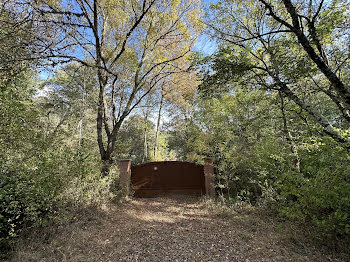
321, 194
280, 142
23, 199
131, 140
243, 132
136, 141
222, 69
228, 129
164, 152
45, 168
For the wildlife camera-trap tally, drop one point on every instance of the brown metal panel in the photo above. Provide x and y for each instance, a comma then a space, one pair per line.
168, 177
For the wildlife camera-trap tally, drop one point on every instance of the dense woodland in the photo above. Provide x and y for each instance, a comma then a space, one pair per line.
85, 83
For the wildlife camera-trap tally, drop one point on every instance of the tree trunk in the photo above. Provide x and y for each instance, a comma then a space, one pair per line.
345, 112
288, 135
105, 168
80, 125
83, 113
158, 126
144, 157
328, 129
337, 84
145, 147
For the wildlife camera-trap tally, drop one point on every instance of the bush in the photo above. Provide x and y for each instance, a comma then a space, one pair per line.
321, 192
43, 169
61, 181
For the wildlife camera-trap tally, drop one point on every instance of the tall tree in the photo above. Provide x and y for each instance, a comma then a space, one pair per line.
159, 115
176, 93
133, 45
70, 96
131, 139
305, 21
263, 45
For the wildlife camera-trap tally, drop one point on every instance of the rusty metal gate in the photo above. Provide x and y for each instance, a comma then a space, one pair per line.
168, 177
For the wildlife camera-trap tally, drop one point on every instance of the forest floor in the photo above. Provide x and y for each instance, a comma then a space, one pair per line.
169, 229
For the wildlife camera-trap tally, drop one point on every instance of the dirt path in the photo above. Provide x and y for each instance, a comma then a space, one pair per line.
168, 229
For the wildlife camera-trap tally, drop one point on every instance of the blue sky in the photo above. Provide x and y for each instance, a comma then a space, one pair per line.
204, 44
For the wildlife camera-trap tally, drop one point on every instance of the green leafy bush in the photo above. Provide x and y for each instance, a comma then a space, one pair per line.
44, 170
322, 191
254, 162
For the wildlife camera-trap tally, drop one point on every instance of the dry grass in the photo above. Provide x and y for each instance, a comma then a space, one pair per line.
168, 229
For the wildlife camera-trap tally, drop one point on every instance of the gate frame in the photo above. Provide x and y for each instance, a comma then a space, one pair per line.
125, 176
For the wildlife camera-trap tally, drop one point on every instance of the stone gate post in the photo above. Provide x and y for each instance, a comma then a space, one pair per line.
124, 174
209, 177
